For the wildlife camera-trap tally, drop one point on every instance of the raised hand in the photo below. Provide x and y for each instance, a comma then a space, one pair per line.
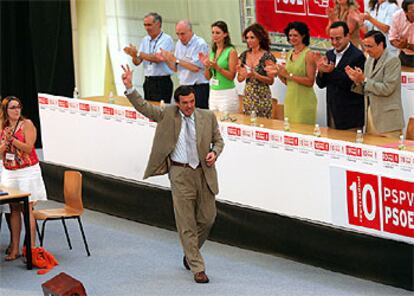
127, 76
131, 50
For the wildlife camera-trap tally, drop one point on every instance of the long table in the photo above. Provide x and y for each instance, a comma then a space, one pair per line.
13, 196
332, 180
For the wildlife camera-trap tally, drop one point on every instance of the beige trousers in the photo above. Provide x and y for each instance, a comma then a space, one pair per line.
195, 211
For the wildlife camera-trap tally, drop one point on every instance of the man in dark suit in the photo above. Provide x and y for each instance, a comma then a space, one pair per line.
345, 109
186, 145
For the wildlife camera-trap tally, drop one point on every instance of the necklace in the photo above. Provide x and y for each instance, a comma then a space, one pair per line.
298, 51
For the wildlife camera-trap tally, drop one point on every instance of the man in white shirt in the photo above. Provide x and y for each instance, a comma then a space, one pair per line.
186, 63
157, 84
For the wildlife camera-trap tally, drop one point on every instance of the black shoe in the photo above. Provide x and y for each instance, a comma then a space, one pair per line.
185, 263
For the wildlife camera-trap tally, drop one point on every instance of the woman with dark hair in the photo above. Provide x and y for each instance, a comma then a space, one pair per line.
379, 17
21, 166
220, 69
257, 95
347, 11
298, 75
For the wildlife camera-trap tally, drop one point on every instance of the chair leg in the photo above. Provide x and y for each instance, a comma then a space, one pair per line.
42, 236
83, 236
38, 231
66, 233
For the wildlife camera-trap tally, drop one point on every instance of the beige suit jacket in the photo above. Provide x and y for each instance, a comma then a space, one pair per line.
166, 137
382, 92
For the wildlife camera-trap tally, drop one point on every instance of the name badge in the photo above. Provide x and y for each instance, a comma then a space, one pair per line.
215, 82
10, 156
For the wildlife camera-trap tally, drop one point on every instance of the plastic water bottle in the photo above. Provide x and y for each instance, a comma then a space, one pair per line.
162, 105
286, 126
401, 145
317, 131
75, 93
225, 116
359, 137
111, 98
283, 54
253, 117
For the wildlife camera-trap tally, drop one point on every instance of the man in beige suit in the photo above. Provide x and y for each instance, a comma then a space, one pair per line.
186, 145
381, 84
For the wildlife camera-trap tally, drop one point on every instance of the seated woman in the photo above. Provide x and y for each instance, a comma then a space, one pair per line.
251, 67
220, 69
299, 76
21, 166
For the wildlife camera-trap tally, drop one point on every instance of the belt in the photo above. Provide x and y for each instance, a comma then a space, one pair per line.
157, 77
184, 165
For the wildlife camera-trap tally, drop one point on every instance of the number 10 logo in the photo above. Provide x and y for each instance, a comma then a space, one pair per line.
363, 201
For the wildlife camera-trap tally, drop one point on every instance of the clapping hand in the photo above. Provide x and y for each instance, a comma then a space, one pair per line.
127, 76
131, 50
330, 12
282, 72
241, 71
204, 59
400, 43
356, 74
325, 66
272, 69
167, 55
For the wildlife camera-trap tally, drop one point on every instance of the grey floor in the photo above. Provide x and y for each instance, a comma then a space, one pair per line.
129, 258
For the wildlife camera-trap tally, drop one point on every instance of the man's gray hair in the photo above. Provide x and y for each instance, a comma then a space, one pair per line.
156, 16
187, 23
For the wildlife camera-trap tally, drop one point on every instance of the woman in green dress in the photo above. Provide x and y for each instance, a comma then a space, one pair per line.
299, 76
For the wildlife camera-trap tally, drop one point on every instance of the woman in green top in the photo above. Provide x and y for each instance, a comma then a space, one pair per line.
220, 68
299, 76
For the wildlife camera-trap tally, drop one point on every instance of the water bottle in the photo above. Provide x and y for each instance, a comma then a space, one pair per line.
225, 116
286, 126
253, 117
283, 54
401, 145
111, 98
359, 137
317, 131
75, 93
162, 105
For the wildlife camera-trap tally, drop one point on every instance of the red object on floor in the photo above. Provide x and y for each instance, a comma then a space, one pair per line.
63, 285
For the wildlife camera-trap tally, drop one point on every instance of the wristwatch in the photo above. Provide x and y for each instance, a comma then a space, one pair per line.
177, 62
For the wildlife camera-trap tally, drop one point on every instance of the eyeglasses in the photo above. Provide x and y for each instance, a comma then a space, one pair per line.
15, 107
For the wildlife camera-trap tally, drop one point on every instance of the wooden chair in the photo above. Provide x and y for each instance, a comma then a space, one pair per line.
73, 209
409, 135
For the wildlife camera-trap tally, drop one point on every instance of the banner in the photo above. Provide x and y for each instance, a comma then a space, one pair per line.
274, 15
373, 203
